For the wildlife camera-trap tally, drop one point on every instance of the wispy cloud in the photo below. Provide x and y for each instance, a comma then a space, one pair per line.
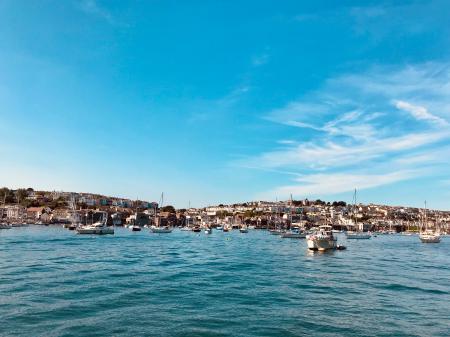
207, 110
359, 134
260, 60
92, 7
420, 112
334, 183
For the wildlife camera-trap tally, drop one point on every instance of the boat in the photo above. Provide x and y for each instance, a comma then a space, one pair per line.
196, 229
428, 235
219, 228
322, 239
162, 229
5, 226
351, 235
135, 228
226, 228
186, 229
356, 235
243, 229
157, 228
116, 219
74, 219
99, 227
293, 234
208, 231
276, 231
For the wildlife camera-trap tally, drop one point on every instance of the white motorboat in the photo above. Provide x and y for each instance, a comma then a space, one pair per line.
322, 239
294, 234
219, 228
163, 229
99, 227
351, 235
243, 229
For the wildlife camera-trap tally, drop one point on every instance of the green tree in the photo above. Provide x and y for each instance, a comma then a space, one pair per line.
21, 195
168, 208
7, 195
222, 214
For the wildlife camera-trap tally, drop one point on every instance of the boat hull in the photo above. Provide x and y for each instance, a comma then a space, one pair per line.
358, 236
98, 231
293, 236
275, 232
430, 239
320, 244
160, 230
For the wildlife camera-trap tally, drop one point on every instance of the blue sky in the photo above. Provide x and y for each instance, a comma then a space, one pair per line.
227, 101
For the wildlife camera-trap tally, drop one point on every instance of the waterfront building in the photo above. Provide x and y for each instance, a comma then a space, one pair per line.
60, 214
36, 212
15, 211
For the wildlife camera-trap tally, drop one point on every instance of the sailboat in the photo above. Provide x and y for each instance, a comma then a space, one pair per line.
73, 219
293, 233
99, 227
356, 235
160, 229
428, 235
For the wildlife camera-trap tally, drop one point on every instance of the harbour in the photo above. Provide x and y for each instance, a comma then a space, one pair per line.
252, 284
224, 168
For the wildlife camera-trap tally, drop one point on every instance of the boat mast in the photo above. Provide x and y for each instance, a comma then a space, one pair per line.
354, 210
426, 217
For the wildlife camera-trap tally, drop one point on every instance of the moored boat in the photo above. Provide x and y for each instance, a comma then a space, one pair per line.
322, 239
294, 234
428, 235
99, 227
276, 231
357, 235
243, 229
162, 229
351, 235
5, 226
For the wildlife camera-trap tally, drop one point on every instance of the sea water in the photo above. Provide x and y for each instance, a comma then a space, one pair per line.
54, 282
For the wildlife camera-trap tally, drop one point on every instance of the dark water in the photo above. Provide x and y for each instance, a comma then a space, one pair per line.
56, 283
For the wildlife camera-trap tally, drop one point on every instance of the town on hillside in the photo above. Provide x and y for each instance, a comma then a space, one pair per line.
44, 207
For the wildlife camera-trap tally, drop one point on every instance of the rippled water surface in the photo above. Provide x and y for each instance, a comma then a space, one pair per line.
54, 282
